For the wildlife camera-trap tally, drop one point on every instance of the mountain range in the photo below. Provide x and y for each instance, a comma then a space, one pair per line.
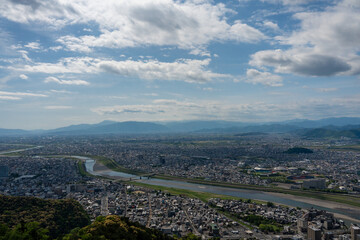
347, 126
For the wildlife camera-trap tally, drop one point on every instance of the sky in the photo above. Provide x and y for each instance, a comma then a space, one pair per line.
65, 62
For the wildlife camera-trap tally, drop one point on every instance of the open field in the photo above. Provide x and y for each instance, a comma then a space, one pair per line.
347, 148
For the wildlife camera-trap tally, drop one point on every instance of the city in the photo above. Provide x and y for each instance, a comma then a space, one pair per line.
50, 168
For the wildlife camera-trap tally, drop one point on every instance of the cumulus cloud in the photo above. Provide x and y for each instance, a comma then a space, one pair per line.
65, 65
301, 63
185, 24
65, 82
256, 77
187, 70
181, 70
326, 44
271, 25
52, 12
288, 2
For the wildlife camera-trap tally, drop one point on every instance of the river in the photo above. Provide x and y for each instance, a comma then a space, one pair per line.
19, 150
247, 194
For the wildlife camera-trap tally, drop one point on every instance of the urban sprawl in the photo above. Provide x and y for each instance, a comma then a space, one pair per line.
48, 169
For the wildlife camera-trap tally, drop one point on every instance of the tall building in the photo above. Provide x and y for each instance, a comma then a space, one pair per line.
302, 225
314, 233
355, 232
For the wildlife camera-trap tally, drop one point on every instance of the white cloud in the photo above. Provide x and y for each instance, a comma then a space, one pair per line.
327, 89
182, 70
271, 25
256, 77
326, 44
33, 45
65, 82
187, 70
160, 108
200, 52
170, 109
51, 12
244, 33
24, 55
57, 107
186, 24
288, 2
23, 76
65, 65
56, 48
300, 62
9, 97
18, 95
209, 89
60, 91
151, 94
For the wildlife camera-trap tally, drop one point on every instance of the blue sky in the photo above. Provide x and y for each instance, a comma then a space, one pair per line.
67, 62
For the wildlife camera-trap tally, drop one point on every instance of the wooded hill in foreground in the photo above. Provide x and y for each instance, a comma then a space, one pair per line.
29, 218
57, 216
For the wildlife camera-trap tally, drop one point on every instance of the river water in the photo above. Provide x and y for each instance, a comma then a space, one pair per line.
247, 194
20, 150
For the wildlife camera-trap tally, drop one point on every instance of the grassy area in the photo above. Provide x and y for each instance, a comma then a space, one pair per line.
113, 165
236, 219
81, 168
203, 196
333, 197
15, 154
347, 148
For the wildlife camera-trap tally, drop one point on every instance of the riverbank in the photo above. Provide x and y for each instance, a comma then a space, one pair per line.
205, 189
327, 204
318, 195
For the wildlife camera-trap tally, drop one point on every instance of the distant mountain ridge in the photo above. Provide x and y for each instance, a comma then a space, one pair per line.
300, 126
6, 132
109, 127
332, 133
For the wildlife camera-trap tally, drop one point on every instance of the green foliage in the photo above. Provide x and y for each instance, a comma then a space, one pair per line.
270, 204
297, 150
115, 228
190, 236
81, 168
269, 228
256, 220
28, 231
264, 224
58, 216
